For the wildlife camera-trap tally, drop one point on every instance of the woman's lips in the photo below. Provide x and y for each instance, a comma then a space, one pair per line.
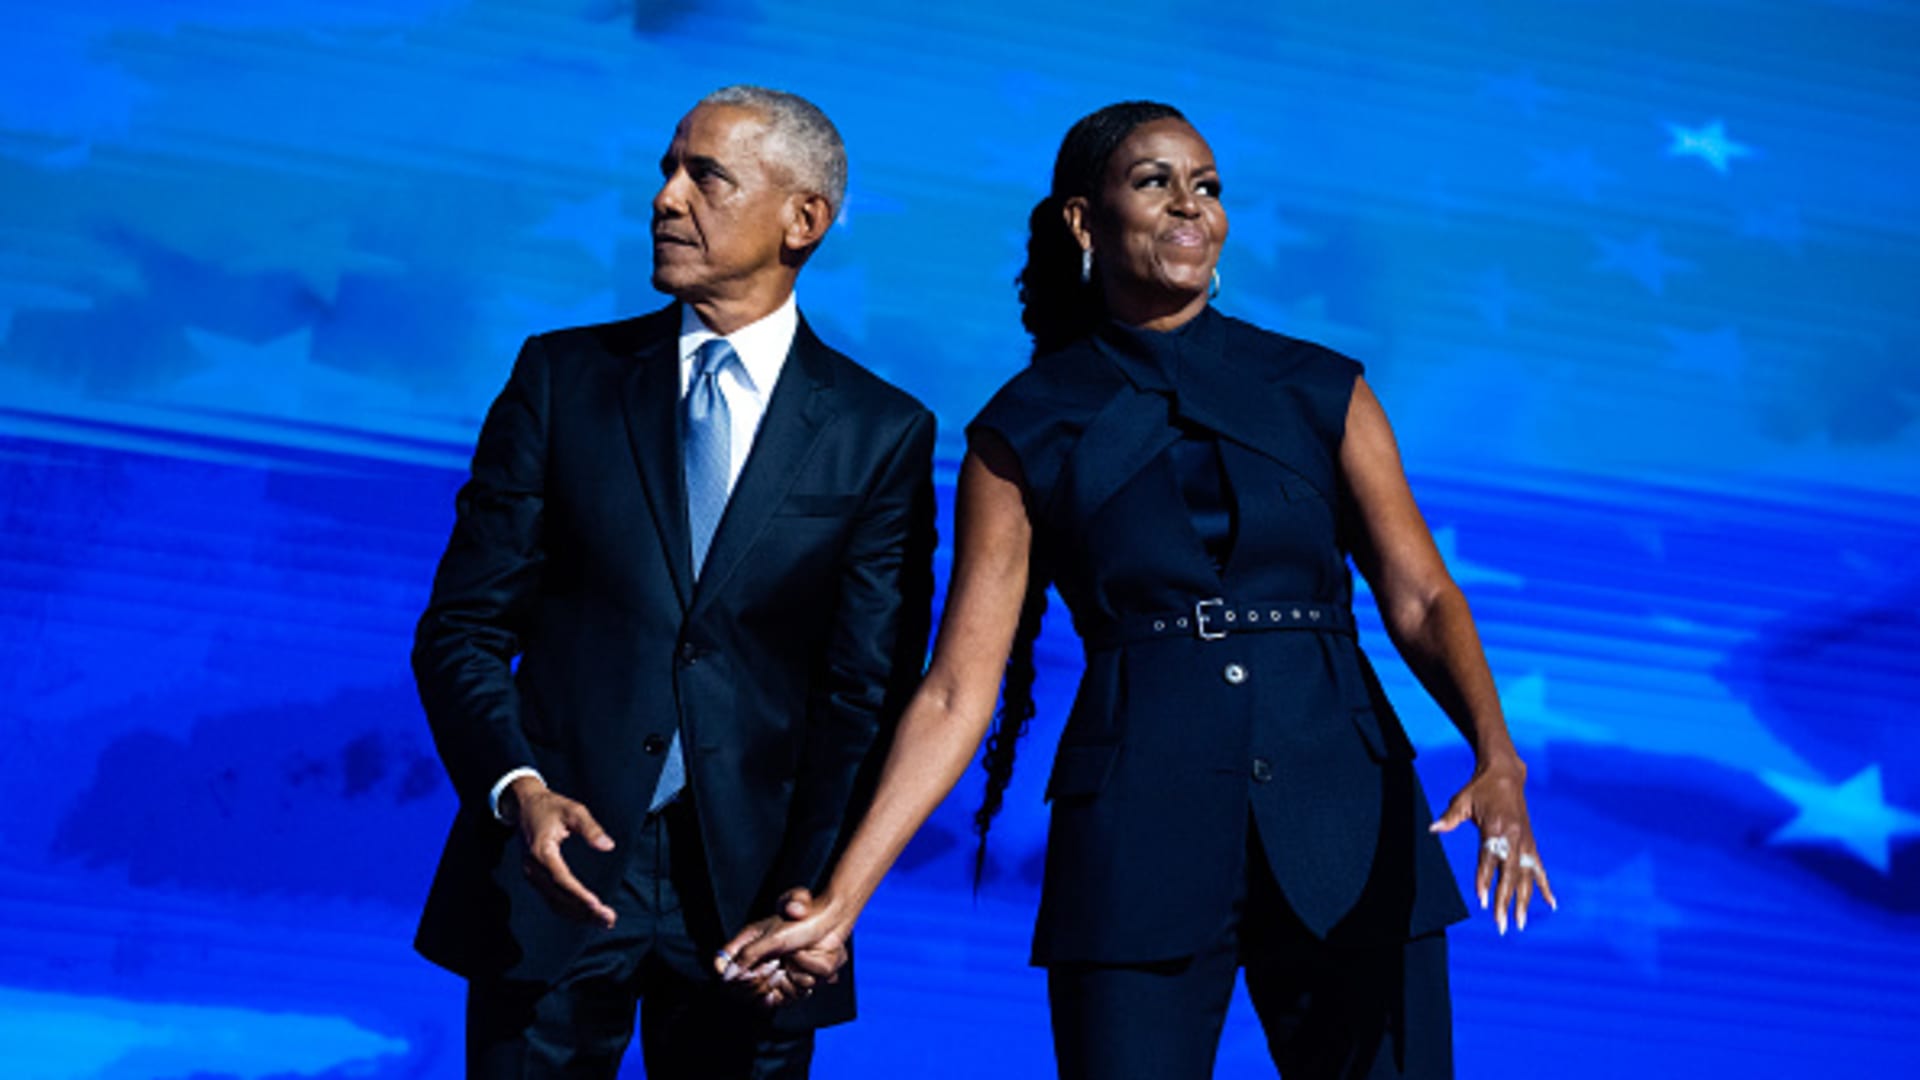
1187, 237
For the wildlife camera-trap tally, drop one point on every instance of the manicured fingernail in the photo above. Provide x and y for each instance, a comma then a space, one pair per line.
766, 969
733, 972
1552, 903
771, 1000
1483, 900
1523, 919
1501, 921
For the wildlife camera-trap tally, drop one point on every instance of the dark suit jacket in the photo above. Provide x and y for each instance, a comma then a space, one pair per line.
1176, 743
566, 631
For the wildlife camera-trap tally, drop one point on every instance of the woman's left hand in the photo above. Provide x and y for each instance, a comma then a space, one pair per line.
1496, 802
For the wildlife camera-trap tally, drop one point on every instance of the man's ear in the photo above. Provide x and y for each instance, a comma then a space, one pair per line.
1074, 211
809, 215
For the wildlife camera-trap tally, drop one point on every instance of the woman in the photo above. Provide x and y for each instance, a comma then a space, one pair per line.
1232, 788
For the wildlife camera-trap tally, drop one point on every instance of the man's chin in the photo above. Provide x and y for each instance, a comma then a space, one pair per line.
674, 285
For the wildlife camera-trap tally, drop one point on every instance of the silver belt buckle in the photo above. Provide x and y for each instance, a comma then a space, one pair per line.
1200, 619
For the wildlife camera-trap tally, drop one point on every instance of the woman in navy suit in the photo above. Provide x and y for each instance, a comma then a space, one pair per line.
1232, 789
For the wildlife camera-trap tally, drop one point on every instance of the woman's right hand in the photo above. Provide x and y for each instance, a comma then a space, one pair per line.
807, 938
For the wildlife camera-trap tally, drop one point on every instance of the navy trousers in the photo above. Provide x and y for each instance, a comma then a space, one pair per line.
1330, 1012
691, 1025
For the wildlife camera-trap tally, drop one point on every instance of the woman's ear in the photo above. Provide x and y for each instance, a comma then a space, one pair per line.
1074, 213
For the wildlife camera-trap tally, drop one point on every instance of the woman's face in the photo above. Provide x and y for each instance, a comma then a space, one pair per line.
1157, 225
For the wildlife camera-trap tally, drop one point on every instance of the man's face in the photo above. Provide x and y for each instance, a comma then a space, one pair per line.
723, 211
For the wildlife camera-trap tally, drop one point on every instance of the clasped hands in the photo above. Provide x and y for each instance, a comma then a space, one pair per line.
776, 961
784, 956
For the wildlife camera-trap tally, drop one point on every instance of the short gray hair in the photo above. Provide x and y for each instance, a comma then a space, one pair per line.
800, 137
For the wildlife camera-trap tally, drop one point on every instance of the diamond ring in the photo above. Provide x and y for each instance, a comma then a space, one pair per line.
1499, 847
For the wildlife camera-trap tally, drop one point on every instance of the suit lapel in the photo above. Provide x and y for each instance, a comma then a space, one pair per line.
651, 401
798, 410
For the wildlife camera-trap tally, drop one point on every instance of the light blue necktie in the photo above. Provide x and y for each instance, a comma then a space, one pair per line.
706, 444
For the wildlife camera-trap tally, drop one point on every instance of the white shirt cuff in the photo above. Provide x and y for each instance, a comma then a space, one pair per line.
493, 797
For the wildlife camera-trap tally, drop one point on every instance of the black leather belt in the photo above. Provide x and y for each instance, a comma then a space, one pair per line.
1212, 620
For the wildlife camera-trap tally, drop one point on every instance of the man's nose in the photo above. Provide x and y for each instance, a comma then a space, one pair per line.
670, 200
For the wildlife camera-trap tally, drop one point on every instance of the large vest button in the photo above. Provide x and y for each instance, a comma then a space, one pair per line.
1234, 674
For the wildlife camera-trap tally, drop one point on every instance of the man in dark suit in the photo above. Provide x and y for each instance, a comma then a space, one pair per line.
706, 539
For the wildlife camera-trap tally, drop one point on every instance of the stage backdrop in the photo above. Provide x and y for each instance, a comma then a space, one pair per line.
1635, 281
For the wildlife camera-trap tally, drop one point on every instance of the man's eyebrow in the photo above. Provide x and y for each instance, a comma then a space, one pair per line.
692, 162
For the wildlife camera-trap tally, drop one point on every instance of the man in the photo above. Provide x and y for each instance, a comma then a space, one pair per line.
706, 538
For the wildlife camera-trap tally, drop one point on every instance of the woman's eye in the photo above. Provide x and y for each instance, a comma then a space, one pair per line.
1209, 188
1152, 181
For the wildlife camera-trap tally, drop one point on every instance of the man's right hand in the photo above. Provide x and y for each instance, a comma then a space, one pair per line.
547, 818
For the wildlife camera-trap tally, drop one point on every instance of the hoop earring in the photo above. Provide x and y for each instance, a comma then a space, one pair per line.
1214, 293
1086, 266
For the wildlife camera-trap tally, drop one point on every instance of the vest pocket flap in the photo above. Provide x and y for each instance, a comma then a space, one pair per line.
1297, 489
1081, 770
1384, 739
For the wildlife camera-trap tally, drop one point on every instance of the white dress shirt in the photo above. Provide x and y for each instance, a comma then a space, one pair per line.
762, 347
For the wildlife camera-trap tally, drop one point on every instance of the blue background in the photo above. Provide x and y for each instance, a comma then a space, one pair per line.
1635, 281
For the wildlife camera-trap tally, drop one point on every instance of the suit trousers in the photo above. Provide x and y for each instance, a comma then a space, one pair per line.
1330, 1012
691, 1024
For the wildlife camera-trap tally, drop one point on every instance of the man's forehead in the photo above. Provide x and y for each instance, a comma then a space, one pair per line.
712, 127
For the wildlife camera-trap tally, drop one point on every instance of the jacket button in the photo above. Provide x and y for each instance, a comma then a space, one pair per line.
689, 652
655, 745
1262, 770
1234, 674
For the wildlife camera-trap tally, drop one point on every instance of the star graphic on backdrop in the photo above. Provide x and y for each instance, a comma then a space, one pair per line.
1520, 90
1534, 723
596, 224
1623, 909
1575, 171
1852, 815
1305, 317
17, 297
1261, 231
1495, 298
319, 254
1779, 223
1640, 259
1447, 539
267, 376
1710, 144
